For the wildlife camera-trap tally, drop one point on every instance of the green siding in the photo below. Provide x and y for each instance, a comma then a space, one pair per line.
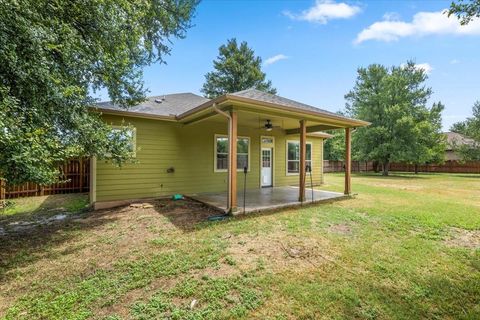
190, 150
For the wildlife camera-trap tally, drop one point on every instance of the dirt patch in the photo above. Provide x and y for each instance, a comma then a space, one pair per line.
278, 251
63, 247
464, 238
341, 229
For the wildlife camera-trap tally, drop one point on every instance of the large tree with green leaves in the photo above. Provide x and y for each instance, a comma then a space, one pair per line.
236, 68
334, 147
471, 129
54, 55
402, 127
465, 10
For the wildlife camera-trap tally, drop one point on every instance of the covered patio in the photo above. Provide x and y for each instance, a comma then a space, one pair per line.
260, 111
267, 198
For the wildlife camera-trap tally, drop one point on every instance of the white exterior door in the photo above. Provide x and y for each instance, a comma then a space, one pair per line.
267, 167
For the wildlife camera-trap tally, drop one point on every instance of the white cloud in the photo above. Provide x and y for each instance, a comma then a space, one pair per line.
325, 10
422, 24
454, 61
425, 66
274, 59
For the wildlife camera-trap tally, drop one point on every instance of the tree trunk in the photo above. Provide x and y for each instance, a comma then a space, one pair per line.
386, 167
375, 166
416, 168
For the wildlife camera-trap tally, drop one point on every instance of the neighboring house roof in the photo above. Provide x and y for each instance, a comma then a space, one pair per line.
182, 105
456, 139
164, 105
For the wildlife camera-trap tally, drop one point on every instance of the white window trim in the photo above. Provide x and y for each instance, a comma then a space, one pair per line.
286, 157
134, 137
266, 145
215, 152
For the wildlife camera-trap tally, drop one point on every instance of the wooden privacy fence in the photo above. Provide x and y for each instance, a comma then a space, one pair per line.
338, 166
74, 174
450, 166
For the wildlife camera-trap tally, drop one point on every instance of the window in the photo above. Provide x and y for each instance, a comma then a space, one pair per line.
221, 153
130, 135
293, 156
242, 152
267, 140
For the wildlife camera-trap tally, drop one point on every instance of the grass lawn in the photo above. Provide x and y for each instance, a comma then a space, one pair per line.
42, 206
406, 247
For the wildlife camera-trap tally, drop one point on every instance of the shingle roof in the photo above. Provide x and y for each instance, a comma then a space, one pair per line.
163, 105
255, 94
181, 105
454, 138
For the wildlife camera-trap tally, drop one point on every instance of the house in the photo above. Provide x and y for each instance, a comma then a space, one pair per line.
183, 146
455, 140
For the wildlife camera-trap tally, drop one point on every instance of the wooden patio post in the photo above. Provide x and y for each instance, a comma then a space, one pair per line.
303, 156
232, 161
348, 161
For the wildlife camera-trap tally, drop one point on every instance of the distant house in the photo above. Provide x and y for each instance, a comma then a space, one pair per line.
454, 140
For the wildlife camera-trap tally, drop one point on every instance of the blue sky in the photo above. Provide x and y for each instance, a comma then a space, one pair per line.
320, 44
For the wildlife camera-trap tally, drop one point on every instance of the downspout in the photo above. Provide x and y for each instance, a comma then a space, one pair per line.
229, 150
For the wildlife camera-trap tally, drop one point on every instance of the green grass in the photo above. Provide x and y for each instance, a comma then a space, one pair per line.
380, 255
44, 205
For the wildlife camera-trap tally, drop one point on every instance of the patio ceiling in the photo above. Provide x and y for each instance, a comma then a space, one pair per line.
253, 117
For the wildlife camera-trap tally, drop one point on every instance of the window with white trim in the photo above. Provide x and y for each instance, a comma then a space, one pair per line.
221, 153
293, 156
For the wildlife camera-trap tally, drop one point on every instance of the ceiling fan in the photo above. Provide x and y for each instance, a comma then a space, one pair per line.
268, 126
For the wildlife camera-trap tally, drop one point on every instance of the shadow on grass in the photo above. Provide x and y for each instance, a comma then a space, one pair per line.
26, 246
29, 244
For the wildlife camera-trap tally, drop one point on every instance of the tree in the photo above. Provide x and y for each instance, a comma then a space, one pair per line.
428, 145
54, 55
465, 11
394, 101
236, 68
334, 148
471, 129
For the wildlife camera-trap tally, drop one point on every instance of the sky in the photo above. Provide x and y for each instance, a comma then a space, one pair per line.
311, 50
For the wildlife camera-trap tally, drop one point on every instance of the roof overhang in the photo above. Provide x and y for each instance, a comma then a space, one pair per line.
134, 114
231, 102
225, 102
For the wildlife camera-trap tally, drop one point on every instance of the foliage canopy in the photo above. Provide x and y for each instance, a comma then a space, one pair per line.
236, 68
402, 127
54, 55
465, 11
471, 129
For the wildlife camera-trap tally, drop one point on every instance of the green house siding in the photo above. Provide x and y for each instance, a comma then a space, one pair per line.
190, 150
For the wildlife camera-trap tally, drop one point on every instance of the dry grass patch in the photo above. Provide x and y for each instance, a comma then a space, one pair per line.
463, 238
279, 251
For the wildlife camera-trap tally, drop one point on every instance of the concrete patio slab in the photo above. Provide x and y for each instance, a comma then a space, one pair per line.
267, 198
